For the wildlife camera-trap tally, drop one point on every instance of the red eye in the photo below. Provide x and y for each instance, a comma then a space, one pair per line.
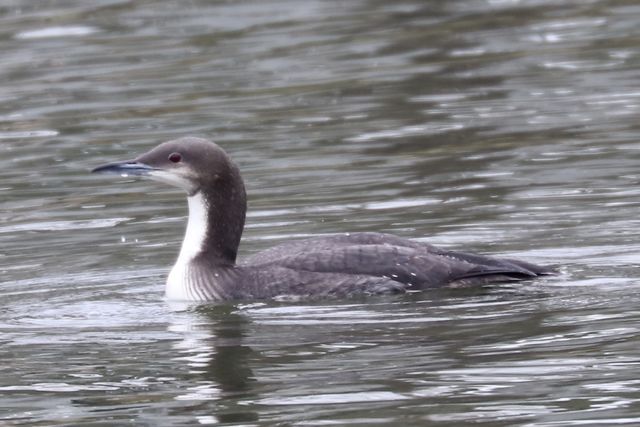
175, 157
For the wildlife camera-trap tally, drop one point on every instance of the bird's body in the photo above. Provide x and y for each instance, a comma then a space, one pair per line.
335, 266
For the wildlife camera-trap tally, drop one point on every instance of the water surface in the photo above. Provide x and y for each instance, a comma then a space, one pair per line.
502, 127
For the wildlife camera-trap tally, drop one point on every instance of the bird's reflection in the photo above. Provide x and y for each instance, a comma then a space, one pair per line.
229, 364
214, 349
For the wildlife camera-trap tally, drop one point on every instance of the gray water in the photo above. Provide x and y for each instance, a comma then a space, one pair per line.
503, 127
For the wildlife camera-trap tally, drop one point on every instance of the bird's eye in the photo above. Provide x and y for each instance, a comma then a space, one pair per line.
175, 157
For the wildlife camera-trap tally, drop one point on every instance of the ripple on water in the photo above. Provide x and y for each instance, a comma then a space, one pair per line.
63, 225
28, 134
407, 131
52, 32
334, 398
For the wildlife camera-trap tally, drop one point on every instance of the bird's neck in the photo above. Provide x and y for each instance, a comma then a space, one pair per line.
211, 240
197, 229
214, 227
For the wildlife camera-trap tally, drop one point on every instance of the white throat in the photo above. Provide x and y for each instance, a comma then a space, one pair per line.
179, 286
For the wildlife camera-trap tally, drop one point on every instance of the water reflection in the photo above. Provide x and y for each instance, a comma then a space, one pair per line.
218, 359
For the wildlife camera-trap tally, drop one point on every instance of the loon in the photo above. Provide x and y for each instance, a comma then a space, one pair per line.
364, 263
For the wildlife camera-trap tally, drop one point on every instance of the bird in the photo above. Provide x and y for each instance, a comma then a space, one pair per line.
335, 266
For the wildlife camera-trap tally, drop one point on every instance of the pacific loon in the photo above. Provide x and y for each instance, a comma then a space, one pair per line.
335, 266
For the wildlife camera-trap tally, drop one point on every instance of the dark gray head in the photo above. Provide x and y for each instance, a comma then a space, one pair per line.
199, 167
192, 164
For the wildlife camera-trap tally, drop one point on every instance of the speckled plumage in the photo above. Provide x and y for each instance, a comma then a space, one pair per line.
356, 263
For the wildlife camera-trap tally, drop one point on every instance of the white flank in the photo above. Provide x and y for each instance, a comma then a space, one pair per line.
178, 281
